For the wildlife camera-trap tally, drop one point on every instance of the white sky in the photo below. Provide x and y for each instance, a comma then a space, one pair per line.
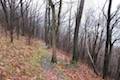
90, 3
100, 3
94, 4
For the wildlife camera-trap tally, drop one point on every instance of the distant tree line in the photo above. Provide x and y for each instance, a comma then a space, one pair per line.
18, 17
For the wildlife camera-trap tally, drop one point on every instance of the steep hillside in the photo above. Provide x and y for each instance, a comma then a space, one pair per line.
19, 61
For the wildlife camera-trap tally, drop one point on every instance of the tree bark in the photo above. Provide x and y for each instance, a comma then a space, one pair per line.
54, 26
46, 26
76, 32
58, 23
107, 46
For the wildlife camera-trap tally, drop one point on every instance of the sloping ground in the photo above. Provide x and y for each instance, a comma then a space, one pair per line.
15, 60
80, 71
20, 61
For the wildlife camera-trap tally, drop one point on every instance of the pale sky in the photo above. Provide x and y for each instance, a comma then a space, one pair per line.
94, 4
100, 3
90, 3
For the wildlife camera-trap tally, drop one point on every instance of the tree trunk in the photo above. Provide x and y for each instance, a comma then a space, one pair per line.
49, 27
54, 26
58, 24
107, 46
118, 70
46, 27
76, 32
3, 3
22, 15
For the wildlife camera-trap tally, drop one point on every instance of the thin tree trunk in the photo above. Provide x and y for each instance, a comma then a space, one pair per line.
46, 27
22, 15
91, 59
49, 27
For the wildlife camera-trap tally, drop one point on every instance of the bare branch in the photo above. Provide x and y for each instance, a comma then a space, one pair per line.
115, 23
115, 41
103, 10
115, 13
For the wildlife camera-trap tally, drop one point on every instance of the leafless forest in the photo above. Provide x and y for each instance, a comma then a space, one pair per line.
89, 37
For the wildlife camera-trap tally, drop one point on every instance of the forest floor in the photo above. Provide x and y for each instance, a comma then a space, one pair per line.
19, 61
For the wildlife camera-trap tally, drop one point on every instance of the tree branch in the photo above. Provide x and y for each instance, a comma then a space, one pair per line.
103, 10
115, 41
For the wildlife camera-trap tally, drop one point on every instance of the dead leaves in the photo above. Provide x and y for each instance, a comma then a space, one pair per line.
19, 61
14, 59
78, 72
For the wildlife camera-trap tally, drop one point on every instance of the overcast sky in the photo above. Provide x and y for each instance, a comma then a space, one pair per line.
89, 3
96, 5
99, 3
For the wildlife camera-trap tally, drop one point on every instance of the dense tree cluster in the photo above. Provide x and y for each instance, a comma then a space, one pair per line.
18, 17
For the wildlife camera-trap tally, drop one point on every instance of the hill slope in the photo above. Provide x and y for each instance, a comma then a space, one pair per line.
20, 61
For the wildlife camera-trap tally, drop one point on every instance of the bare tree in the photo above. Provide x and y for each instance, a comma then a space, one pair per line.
4, 7
45, 24
22, 17
109, 34
54, 25
76, 32
58, 22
